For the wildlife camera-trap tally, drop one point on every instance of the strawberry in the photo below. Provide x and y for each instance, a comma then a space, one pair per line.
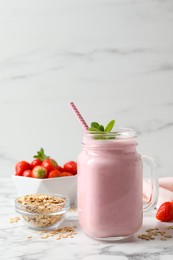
49, 164
35, 162
165, 212
21, 167
27, 173
59, 168
70, 167
67, 174
54, 173
39, 172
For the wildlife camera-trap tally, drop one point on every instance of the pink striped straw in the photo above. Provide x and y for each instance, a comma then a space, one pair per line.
79, 116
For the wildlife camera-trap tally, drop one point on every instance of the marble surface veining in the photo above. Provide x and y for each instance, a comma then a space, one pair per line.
15, 244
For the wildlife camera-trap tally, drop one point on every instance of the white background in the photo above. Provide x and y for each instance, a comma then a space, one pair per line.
113, 58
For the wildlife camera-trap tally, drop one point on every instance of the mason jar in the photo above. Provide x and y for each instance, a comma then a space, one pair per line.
110, 185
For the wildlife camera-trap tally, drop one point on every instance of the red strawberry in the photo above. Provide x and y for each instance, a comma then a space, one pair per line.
165, 212
27, 173
54, 173
49, 164
21, 167
35, 162
71, 167
59, 168
67, 174
39, 172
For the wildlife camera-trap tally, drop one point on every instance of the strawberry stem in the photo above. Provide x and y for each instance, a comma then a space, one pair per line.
41, 155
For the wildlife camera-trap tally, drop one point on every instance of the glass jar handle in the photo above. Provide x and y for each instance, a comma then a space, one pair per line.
153, 182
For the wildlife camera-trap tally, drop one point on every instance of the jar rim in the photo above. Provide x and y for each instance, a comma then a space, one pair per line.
118, 133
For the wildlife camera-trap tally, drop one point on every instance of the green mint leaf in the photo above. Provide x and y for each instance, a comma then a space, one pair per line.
109, 126
94, 129
95, 125
101, 128
102, 136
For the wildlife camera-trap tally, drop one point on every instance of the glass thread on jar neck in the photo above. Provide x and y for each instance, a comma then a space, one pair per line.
121, 133
121, 139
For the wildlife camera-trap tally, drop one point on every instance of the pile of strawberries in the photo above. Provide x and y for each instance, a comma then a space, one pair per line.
165, 212
44, 167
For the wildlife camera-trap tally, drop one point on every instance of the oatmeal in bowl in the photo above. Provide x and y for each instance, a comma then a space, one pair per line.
42, 211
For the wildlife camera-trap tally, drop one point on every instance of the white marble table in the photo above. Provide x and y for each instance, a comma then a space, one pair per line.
15, 244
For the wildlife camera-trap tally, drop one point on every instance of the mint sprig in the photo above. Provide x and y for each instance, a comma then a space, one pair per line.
97, 128
101, 131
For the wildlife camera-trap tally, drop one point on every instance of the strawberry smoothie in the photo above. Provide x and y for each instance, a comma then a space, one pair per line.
110, 186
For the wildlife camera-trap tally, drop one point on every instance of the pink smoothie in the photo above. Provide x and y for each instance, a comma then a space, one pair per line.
110, 188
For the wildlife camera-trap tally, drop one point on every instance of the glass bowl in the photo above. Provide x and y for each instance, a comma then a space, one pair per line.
42, 211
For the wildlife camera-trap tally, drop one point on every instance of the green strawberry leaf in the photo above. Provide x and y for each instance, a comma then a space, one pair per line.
41, 155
